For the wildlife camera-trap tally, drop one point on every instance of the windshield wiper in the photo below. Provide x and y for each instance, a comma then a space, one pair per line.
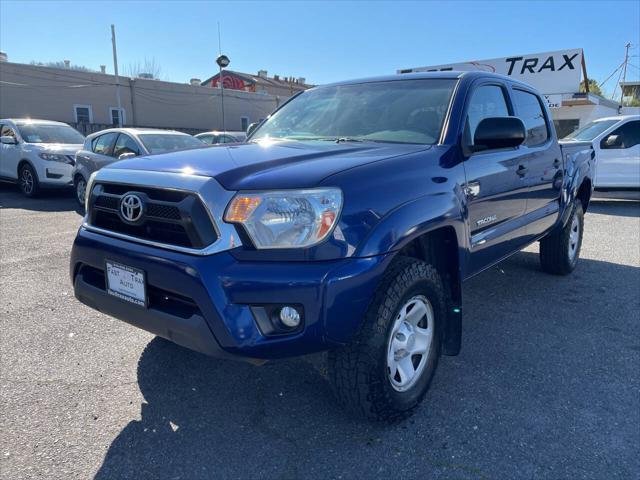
346, 139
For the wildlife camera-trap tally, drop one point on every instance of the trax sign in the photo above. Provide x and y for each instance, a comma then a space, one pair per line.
550, 72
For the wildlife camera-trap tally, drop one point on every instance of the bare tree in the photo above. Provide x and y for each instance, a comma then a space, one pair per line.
149, 68
62, 64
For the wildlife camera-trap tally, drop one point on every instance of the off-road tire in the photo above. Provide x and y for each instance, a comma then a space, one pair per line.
555, 256
358, 372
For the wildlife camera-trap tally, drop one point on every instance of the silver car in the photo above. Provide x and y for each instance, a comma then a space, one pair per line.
108, 146
215, 137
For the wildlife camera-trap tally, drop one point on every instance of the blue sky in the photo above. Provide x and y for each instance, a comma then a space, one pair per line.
322, 41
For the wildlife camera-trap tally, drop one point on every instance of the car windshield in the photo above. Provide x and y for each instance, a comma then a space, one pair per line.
163, 142
398, 111
37, 133
590, 131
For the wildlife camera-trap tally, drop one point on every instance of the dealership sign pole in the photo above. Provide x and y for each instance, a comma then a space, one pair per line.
115, 68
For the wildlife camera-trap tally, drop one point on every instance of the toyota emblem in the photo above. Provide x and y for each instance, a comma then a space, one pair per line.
131, 207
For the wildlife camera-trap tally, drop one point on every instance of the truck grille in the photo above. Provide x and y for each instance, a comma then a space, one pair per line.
173, 218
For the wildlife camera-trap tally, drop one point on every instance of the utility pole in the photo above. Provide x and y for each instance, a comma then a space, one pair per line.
624, 71
115, 68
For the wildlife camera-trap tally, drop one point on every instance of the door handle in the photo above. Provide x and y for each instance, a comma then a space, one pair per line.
556, 163
522, 170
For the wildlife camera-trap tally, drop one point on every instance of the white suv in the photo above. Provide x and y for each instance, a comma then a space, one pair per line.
38, 153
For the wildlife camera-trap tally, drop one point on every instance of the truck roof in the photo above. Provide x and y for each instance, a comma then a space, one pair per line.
450, 74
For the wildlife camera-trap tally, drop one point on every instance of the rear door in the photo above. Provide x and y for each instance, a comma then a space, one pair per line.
618, 159
496, 188
101, 151
543, 159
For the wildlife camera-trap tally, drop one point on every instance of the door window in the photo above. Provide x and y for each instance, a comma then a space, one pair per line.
529, 110
102, 144
7, 131
487, 101
206, 138
125, 144
628, 135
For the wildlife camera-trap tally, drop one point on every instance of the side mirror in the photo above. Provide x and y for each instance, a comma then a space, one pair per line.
498, 132
8, 140
125, 155
613, 141
252, 127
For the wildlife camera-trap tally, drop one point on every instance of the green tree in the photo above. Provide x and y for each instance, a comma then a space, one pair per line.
593, 87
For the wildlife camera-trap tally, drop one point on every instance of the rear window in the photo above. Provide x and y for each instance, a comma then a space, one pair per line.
162, 142
529, 110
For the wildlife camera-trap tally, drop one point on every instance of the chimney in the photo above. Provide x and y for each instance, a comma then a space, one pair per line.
262, 73
195, 81
301, 80
67, 63
276, 77
103, 69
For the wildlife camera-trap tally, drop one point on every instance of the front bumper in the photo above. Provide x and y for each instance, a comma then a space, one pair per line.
54, 174
204, 302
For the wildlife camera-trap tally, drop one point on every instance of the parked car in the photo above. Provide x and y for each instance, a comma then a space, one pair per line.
37, 154
108, 146
214, 138
348, 222
616, 142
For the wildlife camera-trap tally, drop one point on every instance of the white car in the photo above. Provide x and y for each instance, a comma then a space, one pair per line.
616, 142
38, 153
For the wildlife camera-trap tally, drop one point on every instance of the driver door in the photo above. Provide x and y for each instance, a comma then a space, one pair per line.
618, 161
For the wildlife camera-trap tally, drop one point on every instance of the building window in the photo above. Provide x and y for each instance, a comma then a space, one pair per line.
83, 113
244, 122
115, 115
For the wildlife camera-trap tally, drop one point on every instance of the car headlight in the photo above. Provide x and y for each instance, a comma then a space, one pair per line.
87, 192
286, 218
55, 157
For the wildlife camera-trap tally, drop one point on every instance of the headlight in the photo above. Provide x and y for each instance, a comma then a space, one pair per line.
286, 218
87, 192
55, 157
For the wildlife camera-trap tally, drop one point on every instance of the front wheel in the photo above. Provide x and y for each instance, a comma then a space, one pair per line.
559, 252
81, 189
28, 181
385, 373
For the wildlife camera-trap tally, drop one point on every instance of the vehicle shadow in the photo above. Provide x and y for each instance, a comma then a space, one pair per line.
208, 418
618, 208
48, 201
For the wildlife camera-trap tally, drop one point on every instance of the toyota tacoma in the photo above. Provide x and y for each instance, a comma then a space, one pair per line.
347, 223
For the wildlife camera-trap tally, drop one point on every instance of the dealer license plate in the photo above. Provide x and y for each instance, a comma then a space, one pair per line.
126, 283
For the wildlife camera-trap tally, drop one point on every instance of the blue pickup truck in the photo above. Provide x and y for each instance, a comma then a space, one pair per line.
347, 223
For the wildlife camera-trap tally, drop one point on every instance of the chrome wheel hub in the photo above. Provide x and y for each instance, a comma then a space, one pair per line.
409, 343
574, 237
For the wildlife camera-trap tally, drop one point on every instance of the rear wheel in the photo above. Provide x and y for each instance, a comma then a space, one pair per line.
559, 252
28, 181
386, 371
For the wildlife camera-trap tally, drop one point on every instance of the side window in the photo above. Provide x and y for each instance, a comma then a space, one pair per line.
102, 144
487, 101
227, 139
125, 144
7, 131
206, 138
529, 110
628, 135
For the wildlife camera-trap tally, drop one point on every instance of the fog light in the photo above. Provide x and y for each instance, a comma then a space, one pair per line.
290, 317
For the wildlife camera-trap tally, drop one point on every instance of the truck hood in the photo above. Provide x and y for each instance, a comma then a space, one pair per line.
282, 164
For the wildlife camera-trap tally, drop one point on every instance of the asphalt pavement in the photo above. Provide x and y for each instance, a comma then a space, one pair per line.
547, 384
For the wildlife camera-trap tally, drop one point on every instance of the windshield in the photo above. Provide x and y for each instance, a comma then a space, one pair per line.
162, 142
35, 133
590, 131
399, 111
